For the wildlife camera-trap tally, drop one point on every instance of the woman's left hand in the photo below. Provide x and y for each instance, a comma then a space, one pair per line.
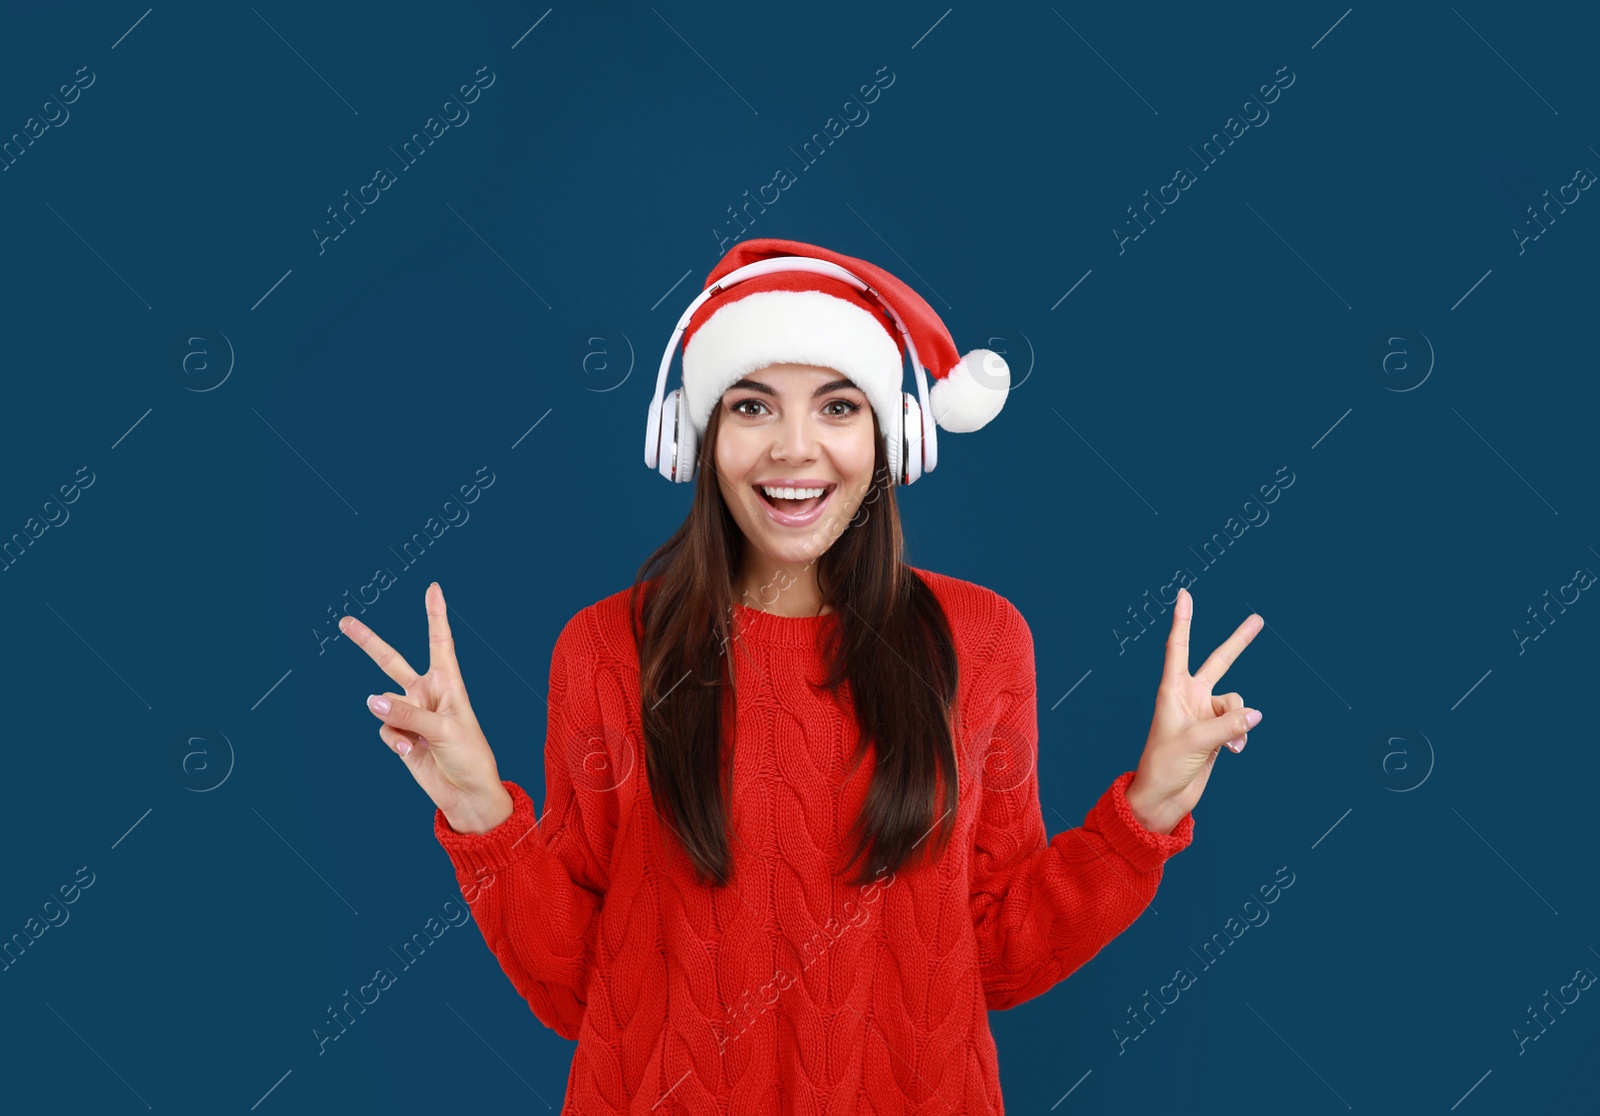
1190, 726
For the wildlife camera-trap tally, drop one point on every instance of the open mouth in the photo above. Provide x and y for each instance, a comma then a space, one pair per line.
797, 507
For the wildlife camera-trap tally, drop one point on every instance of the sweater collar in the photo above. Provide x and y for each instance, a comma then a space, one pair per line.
782, 631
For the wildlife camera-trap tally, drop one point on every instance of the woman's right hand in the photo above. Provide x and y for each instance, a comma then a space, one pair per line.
431, 725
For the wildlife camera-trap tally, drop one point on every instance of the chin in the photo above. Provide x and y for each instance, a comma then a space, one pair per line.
789, 551
792, 550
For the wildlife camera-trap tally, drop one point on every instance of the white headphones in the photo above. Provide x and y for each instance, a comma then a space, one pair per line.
670, 440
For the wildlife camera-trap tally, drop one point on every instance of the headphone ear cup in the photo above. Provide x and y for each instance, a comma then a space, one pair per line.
687, 442
911, 438
893, 439
667, 451
678, 439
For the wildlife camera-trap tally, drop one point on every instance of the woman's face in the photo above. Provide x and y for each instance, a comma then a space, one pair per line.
794, 426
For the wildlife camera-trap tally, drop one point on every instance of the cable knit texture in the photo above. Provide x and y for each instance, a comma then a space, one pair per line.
794, 990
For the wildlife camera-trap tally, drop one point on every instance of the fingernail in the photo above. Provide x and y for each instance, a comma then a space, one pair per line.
1235, 746
1252, 717
404, 748
379, 705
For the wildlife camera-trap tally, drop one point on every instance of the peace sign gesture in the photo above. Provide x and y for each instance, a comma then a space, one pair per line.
431, 725
1190, 726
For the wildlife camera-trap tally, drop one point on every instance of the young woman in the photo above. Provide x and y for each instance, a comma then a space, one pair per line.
792, 846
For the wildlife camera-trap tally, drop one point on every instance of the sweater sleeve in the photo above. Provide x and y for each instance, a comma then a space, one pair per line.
535, 888
1042, 908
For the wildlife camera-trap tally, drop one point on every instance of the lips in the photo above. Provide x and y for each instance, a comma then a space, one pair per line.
796, 513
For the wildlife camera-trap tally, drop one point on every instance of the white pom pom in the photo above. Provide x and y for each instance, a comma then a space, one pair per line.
972, 393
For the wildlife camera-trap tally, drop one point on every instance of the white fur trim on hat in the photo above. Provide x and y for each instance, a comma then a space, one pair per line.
791, 327
973, 392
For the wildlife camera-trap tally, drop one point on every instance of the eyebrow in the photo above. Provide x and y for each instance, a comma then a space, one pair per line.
755, 385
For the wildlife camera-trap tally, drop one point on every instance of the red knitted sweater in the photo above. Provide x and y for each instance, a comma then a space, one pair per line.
798, 992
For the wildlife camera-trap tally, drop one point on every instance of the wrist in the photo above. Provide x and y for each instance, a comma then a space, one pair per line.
481, 813
1159, 815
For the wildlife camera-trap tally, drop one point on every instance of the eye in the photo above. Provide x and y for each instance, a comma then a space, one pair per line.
734, 408
851, 407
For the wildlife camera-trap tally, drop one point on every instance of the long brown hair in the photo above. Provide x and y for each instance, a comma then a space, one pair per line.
893, 646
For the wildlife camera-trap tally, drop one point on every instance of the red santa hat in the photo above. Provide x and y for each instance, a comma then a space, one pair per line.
804, 317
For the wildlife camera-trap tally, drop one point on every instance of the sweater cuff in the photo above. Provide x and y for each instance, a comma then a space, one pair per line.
495, 850
1143, 848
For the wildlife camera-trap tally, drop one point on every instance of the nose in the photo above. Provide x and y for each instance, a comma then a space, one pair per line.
795, 439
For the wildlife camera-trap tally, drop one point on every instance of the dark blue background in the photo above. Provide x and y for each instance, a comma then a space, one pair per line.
1232, 340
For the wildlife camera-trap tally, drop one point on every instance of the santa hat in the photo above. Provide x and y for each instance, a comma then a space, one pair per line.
803, 317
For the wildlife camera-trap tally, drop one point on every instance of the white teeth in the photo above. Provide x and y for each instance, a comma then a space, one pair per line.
793, 493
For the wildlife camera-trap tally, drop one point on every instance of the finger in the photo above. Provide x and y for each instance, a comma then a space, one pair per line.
1232, 725
401, 743
441, 646
390, 661
1221, 703
1176, 669
403, 715
1212, 670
